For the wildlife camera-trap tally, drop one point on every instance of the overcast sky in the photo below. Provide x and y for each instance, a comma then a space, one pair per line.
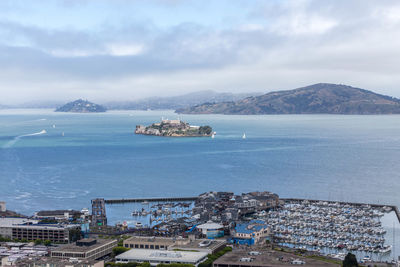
128, 49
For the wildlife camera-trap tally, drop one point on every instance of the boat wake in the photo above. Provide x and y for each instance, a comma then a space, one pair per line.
15, 140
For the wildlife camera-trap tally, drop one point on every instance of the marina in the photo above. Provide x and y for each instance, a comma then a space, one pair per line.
330, 228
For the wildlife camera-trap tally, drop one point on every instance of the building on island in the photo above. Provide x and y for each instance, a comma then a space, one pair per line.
3, 206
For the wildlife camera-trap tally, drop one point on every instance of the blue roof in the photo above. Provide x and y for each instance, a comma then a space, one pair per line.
250, 227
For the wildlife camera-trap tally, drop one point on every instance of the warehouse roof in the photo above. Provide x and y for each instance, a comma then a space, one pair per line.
162, 255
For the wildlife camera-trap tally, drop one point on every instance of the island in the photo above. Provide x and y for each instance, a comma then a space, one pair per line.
81, 106
175, 128
321, 98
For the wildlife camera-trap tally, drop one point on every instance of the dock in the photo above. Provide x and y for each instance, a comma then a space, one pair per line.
177, 199
152, 199
393, 207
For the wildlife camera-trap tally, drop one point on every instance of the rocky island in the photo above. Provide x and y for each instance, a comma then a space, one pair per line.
81, 106
174, 128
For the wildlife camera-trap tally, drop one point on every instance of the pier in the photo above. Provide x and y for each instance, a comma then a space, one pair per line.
152, 199
177, 199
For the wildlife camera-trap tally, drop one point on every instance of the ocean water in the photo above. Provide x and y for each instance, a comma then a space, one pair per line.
332, 157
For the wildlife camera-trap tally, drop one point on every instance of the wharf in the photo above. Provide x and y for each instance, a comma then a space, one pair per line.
154, 199
394, 208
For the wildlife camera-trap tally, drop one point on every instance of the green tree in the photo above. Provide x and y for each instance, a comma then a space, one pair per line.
350, 260
205, 130
38, 242
47, 243
119, 250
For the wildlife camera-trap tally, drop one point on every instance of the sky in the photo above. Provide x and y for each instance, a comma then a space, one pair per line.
107, 50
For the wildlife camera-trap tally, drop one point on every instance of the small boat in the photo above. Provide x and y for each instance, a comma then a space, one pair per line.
213, 136
135, 213
54, 126
138, 225
244, 136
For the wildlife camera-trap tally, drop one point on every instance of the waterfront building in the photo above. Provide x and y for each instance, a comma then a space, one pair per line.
85, 249
211, 229
58, 214
155, 257
166, 243
22, 228
250, 233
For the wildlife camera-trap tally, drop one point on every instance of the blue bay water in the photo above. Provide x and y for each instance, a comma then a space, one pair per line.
332, 157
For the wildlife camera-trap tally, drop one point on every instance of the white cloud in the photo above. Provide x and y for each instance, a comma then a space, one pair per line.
125, 49
286, 45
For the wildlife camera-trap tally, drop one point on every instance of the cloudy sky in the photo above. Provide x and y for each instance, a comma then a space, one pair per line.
128, 49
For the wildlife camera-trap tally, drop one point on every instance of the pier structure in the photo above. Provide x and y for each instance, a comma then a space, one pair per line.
99, 217
175, 199
154, 199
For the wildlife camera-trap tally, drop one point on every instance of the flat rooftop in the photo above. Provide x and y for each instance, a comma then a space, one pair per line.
161, 255
74, 248
152, 239
268, 258
200, 244
10, 222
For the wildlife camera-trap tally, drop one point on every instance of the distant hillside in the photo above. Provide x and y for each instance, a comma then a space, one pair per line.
321, 98
81, 106
177, 102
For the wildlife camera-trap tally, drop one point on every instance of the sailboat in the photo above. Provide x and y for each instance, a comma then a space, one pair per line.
244, 136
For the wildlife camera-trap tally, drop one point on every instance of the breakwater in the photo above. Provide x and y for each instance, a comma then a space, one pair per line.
154, 199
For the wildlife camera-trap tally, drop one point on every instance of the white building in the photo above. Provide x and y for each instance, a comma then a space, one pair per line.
3, 206
155, 257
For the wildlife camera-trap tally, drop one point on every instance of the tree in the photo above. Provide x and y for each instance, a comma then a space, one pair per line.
350, 260
119, 250
38, 242
47, 243
205, 130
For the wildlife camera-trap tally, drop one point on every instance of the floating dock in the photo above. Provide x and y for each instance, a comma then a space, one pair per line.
153, 199
176, 199
394, 208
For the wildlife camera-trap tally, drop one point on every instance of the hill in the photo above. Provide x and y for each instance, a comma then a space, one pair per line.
321, 98
81, 106
177, 102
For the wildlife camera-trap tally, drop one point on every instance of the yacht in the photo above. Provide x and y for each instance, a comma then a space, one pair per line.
244, 136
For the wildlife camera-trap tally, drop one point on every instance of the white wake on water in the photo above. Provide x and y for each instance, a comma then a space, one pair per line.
12, 142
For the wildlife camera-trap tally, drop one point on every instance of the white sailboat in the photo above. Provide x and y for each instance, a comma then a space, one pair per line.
244, 136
